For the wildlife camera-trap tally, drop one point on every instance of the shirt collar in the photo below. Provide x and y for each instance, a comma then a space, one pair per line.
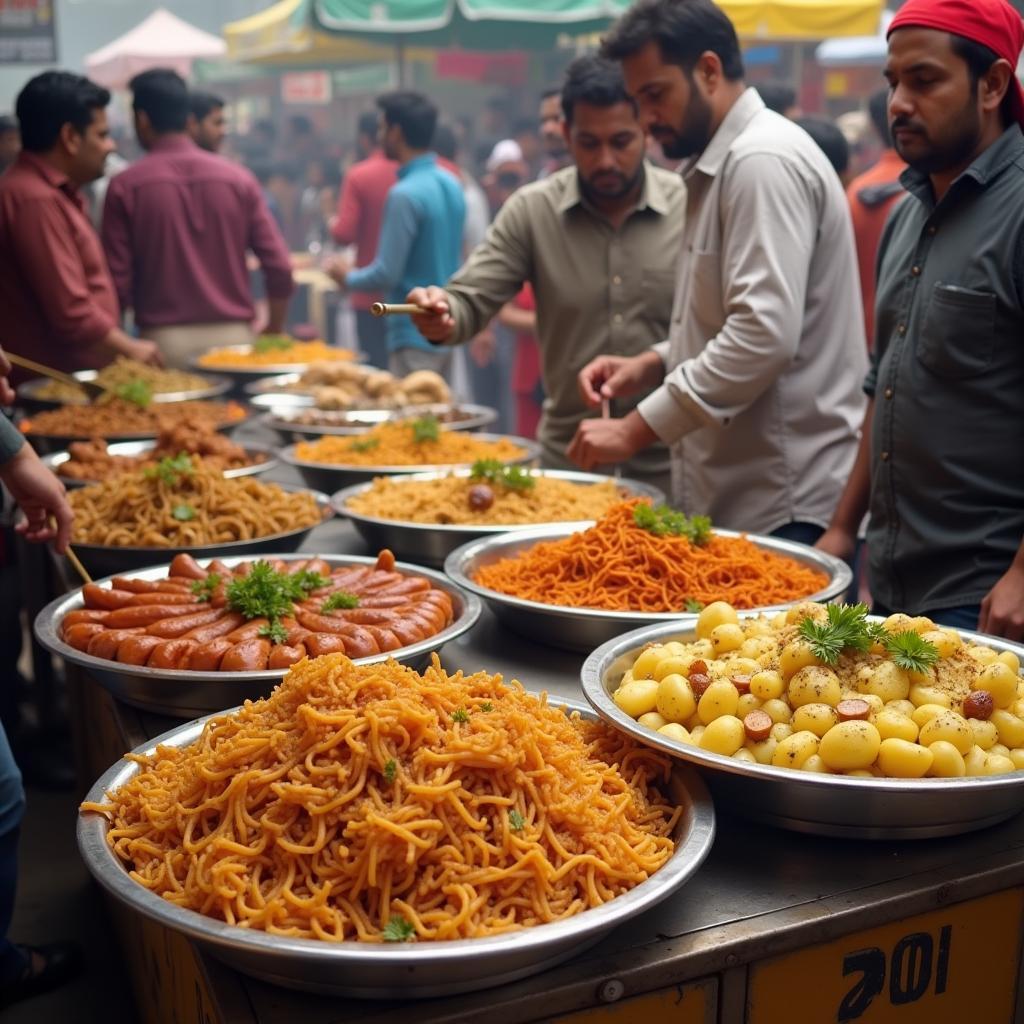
652, 195
39, 166
177, 142
988, 166
416, 163
733, 124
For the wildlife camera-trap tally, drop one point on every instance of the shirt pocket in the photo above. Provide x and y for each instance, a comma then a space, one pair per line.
705, 292
958, 337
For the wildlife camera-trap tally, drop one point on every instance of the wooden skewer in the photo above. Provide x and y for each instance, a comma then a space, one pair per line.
74, 560
48, 371
396, 309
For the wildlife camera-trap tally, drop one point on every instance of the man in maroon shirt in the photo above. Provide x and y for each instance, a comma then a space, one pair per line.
176, 229
360, 214
58, 301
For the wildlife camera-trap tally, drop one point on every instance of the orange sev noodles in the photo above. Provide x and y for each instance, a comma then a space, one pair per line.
281, 816
618, 566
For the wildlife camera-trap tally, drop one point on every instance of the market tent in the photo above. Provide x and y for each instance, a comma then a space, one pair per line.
856, 50
162, 40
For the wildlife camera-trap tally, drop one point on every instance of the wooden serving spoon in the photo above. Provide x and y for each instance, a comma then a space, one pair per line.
91, 389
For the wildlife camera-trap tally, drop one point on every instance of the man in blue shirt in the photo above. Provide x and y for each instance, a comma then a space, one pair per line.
421, 235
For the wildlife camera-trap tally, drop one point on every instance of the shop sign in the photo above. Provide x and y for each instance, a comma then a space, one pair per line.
27, 32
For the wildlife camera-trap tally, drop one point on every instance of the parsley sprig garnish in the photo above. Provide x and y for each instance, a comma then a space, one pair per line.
367, 444
272, 343
398, 930
494, 471
340, 599
266, 593
460, 715
170, 469
203, 590
183, 513
847, 628
274, 632
426, 428
390, 770
136, 391
487, 707
664, 521
516, 821
692, 605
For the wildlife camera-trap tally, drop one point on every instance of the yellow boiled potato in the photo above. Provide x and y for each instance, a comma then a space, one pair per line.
796, 655
778, 621
1010, 660
675, 698
921, 693
695, 733
724, 735
743, 666
904, 707
861, 773
777, 710
921, 624
815, 764
1009, 727
872, 701
893, 725
814, 684
674, 731
943, 641
817, 718
898, 622
947, 761
985, 733
652, 720
767, 685
806, 610
926, 712
760, 649
747, 703
672, 665
1017, 757
982, 655
764, 750
781, 731
726, 637
974, 762
1017, 707
794, 750
950, 727
850, 745
718, 613
902, 760
1000, 680
744, 755
702, 649
638, 697
999, 748
675, 648
887, 681
996, 764
643, 667
718, 699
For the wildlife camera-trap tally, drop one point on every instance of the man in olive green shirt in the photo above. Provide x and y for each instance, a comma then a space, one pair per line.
598, 242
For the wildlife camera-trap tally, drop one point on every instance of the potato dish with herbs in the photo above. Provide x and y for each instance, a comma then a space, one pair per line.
824, 689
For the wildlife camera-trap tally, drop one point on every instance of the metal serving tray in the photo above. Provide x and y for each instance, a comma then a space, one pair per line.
414, 969
432, 543
241, 375
829, 805
185, 694
583, 629
28, 391
129, 448
104, 560
325, 476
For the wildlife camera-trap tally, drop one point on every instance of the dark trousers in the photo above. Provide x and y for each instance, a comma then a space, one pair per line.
801, 533
12, 806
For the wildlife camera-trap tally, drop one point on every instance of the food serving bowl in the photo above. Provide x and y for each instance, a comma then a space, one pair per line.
284, 411
411, 970
583, 629
432, 543
132, 448
107, 560
185, 694
240, 375
829, 805
30, 400
326, 476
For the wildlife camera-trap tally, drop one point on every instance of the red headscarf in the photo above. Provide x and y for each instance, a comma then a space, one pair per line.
992, 23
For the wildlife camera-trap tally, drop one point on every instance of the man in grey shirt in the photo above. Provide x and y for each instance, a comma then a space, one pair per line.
597, 241
758, 386
941, 464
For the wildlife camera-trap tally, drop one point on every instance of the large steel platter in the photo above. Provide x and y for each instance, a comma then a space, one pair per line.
241, 374
29, 398
284, 411
131, 448
583, 629
415, 969
325, 476
432, 543
186, 694
105, 560
829, 805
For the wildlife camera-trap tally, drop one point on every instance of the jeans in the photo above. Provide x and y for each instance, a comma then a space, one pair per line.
802, 533
962, 617
12, 806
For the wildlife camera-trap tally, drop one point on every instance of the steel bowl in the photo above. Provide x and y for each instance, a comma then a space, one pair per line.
415, 969
829, 805
330, 477
57, 459
29, 399
583, 629
432, 543
186, 694
242, 375
105, 560
283, 411
279, 384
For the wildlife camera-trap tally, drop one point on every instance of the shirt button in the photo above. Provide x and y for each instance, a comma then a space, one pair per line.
884, 456
888, 392
617, 318
616, 279
902, 329
915, 271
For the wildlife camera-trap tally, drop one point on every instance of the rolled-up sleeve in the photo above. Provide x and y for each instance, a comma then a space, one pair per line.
267, 242
769, 232
49, 260
11, 440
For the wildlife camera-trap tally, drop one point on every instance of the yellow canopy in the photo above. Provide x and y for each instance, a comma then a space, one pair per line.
803, 19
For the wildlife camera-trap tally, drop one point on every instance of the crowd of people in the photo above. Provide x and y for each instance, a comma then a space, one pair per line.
668, 271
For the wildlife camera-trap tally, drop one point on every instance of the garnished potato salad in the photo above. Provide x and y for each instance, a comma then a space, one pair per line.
820, 688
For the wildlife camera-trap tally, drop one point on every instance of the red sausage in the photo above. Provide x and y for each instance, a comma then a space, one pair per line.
105, 644
283, 656
179, 625
385, 560
385, 639
318, 644
221, 627
165, 598
207, 657
171, 653
84, 615
250, 630
135, 650
185, 565
247, 656
102, 597
79, 635
150, 613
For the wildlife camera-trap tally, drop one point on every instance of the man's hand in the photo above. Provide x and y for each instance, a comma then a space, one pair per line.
482, 349
41, 497
338, 270
609, 441
838, 542
1002, 611
619, 377
147, 352
435, 323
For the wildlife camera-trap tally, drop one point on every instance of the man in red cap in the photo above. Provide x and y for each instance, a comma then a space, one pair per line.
941, 463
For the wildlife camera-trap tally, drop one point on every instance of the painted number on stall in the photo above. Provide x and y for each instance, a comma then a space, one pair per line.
920, 970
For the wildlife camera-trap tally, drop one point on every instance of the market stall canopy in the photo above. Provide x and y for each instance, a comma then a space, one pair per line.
162, 40
855, 51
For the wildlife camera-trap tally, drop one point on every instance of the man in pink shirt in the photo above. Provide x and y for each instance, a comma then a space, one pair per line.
360, 214
176, 229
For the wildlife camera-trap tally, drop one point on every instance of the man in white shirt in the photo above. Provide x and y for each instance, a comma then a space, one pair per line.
757, 388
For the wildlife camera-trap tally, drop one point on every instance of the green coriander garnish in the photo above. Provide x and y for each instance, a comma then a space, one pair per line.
136, 391
398, 930
663, 521
301, 583
487, 706
847, 628
460, 715
426, 428
390, 771
183, 513
203, 590
693, 606
266, 593
340, 599
516, 821
170, 469
272, 343
515, 478
274, 632
367, 444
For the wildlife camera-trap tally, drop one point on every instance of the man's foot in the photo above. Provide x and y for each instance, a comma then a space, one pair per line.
48, 968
